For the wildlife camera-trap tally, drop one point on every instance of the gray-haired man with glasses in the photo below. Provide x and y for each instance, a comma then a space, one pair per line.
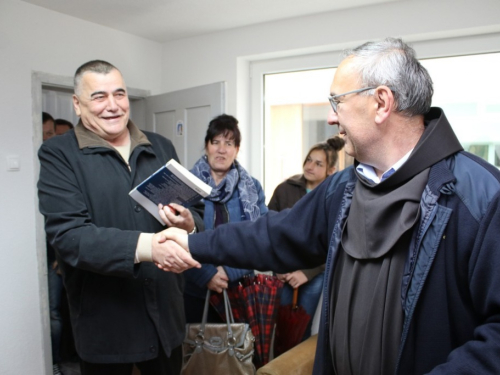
409, 234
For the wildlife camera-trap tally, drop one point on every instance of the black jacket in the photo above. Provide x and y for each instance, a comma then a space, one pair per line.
120, 311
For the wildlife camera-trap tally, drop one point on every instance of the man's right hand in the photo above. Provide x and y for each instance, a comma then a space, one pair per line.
169, 256
296, 279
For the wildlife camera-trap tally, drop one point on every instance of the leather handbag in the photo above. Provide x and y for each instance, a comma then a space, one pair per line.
222, 348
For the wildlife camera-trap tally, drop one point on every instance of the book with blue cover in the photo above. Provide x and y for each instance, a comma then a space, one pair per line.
172, 183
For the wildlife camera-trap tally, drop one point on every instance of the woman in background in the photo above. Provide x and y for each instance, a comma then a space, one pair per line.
318, 165
236, 196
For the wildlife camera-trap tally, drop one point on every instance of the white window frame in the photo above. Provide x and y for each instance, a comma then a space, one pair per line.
258, 67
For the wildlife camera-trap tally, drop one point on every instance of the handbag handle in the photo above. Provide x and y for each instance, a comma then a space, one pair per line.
231, 341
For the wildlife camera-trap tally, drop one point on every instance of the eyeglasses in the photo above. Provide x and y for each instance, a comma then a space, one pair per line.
333, 99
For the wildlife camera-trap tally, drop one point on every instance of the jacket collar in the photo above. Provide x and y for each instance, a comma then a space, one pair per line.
88, 139
297, 180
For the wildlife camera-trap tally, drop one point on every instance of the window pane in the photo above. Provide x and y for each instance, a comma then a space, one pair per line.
296, 109
466, 87
479, 150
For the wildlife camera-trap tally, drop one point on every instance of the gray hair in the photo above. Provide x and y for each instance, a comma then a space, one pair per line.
393, 63
94, 66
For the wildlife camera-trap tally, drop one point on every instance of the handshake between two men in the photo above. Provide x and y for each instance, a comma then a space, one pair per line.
170, 251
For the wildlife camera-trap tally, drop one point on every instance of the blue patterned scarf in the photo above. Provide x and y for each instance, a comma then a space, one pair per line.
236, 177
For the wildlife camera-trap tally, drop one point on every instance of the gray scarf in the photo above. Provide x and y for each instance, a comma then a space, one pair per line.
236, 177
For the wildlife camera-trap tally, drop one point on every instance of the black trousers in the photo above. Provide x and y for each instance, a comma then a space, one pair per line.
161, 365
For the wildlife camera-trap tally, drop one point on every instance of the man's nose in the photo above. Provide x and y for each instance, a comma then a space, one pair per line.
112, 105
332, 117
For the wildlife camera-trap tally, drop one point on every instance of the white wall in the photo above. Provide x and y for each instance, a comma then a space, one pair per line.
34, 39
225, 56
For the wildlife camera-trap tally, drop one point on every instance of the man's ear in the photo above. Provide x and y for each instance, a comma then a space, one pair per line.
384, 99
76, 105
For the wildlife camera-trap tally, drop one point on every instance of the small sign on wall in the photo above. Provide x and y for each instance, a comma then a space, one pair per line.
179, 128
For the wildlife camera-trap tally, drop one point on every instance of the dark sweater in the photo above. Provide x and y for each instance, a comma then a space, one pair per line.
288, 193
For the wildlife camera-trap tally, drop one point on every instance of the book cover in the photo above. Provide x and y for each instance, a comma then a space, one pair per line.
172, 183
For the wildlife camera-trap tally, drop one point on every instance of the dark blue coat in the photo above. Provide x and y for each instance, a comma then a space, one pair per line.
451, 284
198, 278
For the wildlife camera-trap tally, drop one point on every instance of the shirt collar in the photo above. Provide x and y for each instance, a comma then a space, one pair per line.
369, 172
86, 138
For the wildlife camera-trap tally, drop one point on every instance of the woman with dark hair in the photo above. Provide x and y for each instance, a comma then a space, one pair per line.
236, 196
318, 165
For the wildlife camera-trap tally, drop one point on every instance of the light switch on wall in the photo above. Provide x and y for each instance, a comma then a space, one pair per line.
13, 163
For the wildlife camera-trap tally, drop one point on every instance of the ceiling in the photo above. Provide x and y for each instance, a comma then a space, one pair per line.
167, 20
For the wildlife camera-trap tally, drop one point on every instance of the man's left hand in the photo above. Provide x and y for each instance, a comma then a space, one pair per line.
175, 215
